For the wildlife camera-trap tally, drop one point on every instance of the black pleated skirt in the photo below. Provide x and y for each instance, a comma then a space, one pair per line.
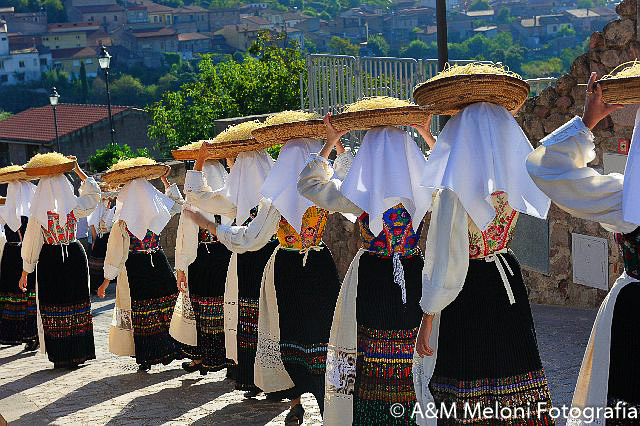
18, 322
207, 278
387, 330
307, 297
250, 268
153, 290
65, 307
624, 377
96, 261
488, 351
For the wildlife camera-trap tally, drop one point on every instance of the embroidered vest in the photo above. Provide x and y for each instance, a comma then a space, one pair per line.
397, 233
58, 234
150, 242
313, 222
630, 250
499, 232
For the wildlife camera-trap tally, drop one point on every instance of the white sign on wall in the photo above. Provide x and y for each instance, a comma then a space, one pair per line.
590, 261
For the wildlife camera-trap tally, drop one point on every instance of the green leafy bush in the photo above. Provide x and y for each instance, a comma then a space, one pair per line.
107, 157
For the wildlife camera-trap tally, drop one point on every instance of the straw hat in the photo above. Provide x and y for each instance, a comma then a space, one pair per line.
378, 111
622, 86
134, 168
461, 85
12, 174
287, 125
49, 164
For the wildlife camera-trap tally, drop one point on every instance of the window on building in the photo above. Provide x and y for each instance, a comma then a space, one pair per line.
155, 19
56, 38
88, 61
21, 64
76, 63
1, 65
4, 78
77, 37
104, 19
20, 76
115, 18
44, 62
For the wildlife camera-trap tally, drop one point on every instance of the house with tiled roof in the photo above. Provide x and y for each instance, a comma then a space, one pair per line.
82, 129
23, 63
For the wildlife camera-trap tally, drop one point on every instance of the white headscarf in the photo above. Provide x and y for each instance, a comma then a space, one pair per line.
631, 188
387, 171
215, 174
142, 207
243, 185
480, 151
18, 204
102, 212
53, 194
281, 186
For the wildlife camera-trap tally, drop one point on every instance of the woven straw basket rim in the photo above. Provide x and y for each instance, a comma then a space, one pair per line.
621, 90
449, 95
14, 176
231, 149
279, 133
380, 117
146, 171
185, 154
3, 200
55, 169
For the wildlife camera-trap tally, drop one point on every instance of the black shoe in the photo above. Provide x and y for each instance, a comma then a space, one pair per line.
251, 393
168, 361
190, 367
295, 415
32, 345
203, 370
143, 368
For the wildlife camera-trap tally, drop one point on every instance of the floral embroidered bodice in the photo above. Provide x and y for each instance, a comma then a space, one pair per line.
16, 237
206, 237
151, 242
397, 233
499, 232
630, 251
313, 222
55, 233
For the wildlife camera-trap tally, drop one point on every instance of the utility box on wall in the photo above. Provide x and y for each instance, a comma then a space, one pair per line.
590, 261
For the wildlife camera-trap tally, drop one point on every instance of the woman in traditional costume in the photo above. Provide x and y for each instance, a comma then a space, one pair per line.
477, 336
201, 264
51, 250
300, 283
377, 314
240, 199
608, 377
100, 223
18, 322
146, 290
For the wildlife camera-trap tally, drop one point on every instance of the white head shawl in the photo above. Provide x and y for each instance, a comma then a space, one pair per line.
53, 194
142, 207
215, 175
18, 204
387, 171
631, 188
102, 212
281, 186
243, 185
480, 151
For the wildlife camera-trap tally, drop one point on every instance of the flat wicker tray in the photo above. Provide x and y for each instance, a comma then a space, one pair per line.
278, 133
449, 95
233, 148
56, 169
14, 176
185, 154
368, 119
623, 90
122, 176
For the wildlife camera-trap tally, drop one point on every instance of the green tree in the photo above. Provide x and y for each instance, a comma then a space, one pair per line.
549, 68
4, 115
107, 157
504, 16
584, 4
84, 94
340, 46
378, 45
479, 5
418, 49
566, 31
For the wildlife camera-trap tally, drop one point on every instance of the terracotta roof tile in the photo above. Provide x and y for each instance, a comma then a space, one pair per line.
36, 124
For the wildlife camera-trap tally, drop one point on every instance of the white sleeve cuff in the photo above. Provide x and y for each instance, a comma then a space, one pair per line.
194, 181
111, 272
572, 128
29, 267
223, 233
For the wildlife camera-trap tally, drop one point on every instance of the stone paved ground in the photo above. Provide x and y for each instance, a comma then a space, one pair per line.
109, 391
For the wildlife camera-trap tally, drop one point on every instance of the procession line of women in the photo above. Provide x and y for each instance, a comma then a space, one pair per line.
257, 291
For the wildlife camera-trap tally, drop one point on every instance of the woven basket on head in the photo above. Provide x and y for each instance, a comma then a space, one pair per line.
449, 95
622, 85
55, 169
14, 176
122, 176
185, 154
368, 119
231, 149
278, 133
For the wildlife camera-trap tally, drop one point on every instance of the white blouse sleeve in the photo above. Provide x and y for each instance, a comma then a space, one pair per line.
117, 250
447, 256
319, 183
174, 193
88, 199
200, 195
559, 168
186, 243
257, 234
31, 245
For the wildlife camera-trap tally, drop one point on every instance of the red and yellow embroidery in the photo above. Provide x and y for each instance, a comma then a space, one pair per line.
499, 232
313, 223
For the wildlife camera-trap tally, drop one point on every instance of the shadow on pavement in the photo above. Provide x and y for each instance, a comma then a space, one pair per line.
247, 412
29, 381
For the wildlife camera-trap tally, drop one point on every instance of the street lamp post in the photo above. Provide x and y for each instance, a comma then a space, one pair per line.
104, 60
53, 100
443, 50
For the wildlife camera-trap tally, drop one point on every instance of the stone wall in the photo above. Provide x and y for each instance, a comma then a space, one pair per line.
616, 44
